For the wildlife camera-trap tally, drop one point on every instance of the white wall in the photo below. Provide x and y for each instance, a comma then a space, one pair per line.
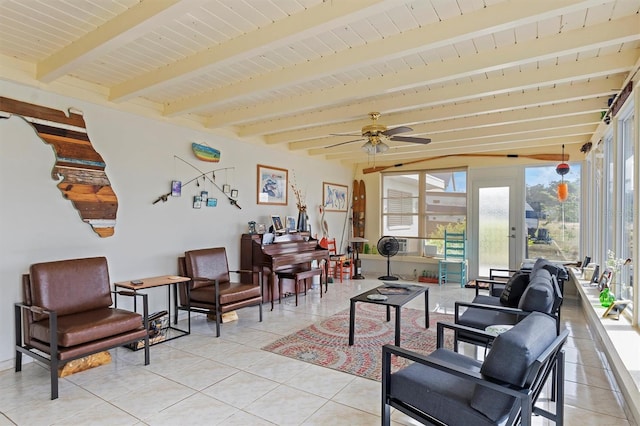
37, 224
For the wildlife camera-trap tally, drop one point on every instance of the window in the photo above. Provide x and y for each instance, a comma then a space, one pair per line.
400, 205
553, 227
400, 209
419, 206
628, 165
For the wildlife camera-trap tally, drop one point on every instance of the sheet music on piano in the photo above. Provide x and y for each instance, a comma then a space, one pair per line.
267, 239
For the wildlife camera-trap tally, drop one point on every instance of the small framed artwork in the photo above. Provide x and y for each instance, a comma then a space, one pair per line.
272, 185
197, 202
212, 202
616, 309
334, 197
204, 195
603, 282
291, 224
277, 223
596, 274
176, 188
226, 188
234, 193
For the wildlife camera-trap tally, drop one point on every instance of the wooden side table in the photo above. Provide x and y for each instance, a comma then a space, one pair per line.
168, 281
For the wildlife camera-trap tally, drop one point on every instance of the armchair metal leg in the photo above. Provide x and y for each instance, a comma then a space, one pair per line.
260, 285
560, 388
218, 313
18, 335
54, 379
145, 322
386, 414
386, 372
526, 412
54, 358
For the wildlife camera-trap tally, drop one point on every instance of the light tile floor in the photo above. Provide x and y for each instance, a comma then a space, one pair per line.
200, 379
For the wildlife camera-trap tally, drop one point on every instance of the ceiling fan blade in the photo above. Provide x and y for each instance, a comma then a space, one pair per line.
396, 130
344, 134
343, 143
410, 139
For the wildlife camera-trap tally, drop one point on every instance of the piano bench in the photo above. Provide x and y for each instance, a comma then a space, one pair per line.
297, 275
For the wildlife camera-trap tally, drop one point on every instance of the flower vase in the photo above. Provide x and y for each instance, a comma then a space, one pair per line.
606, 298
302, 220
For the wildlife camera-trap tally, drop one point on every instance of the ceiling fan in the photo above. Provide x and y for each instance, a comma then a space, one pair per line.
376, 134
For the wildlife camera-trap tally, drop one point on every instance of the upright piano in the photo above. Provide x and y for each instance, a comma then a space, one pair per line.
280, 256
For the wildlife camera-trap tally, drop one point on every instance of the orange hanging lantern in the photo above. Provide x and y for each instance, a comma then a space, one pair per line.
563, 188
563, 192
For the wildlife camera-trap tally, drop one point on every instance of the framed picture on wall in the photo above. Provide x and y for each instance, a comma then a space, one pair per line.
272, 185
334, 197
176, 188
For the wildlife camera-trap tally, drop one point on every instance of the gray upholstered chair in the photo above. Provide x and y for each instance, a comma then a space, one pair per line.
446, 387
66, 314
498, 278
542, 294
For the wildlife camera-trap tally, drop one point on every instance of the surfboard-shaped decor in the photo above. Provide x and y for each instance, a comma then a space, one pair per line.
205, 153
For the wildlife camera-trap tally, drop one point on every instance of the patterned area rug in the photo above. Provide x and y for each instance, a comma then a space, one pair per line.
327, 342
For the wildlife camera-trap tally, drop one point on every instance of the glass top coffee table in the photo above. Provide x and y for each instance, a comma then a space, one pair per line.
390, 294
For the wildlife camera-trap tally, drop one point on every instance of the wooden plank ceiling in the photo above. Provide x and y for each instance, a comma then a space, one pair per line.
474, 76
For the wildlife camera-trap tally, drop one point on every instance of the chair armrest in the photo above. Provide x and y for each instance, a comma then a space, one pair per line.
459, 327
145, 304
53, 324
504, 309
509, 271
34, 309
447, 367
491, 283
202, 279
243, 271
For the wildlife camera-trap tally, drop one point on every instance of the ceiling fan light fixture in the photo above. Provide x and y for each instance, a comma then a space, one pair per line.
368, 148
372, 149
381, 147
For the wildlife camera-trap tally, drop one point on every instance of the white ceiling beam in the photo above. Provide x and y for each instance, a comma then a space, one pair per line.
565, 109
493, 132
114, 33
295, 27
463, 27
539, 78
444, 116
544, 138
572, 42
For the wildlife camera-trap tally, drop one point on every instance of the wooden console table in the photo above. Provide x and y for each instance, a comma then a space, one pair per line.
169, 281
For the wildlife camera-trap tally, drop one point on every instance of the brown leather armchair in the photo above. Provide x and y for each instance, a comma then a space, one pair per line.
211, 290
67, 314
